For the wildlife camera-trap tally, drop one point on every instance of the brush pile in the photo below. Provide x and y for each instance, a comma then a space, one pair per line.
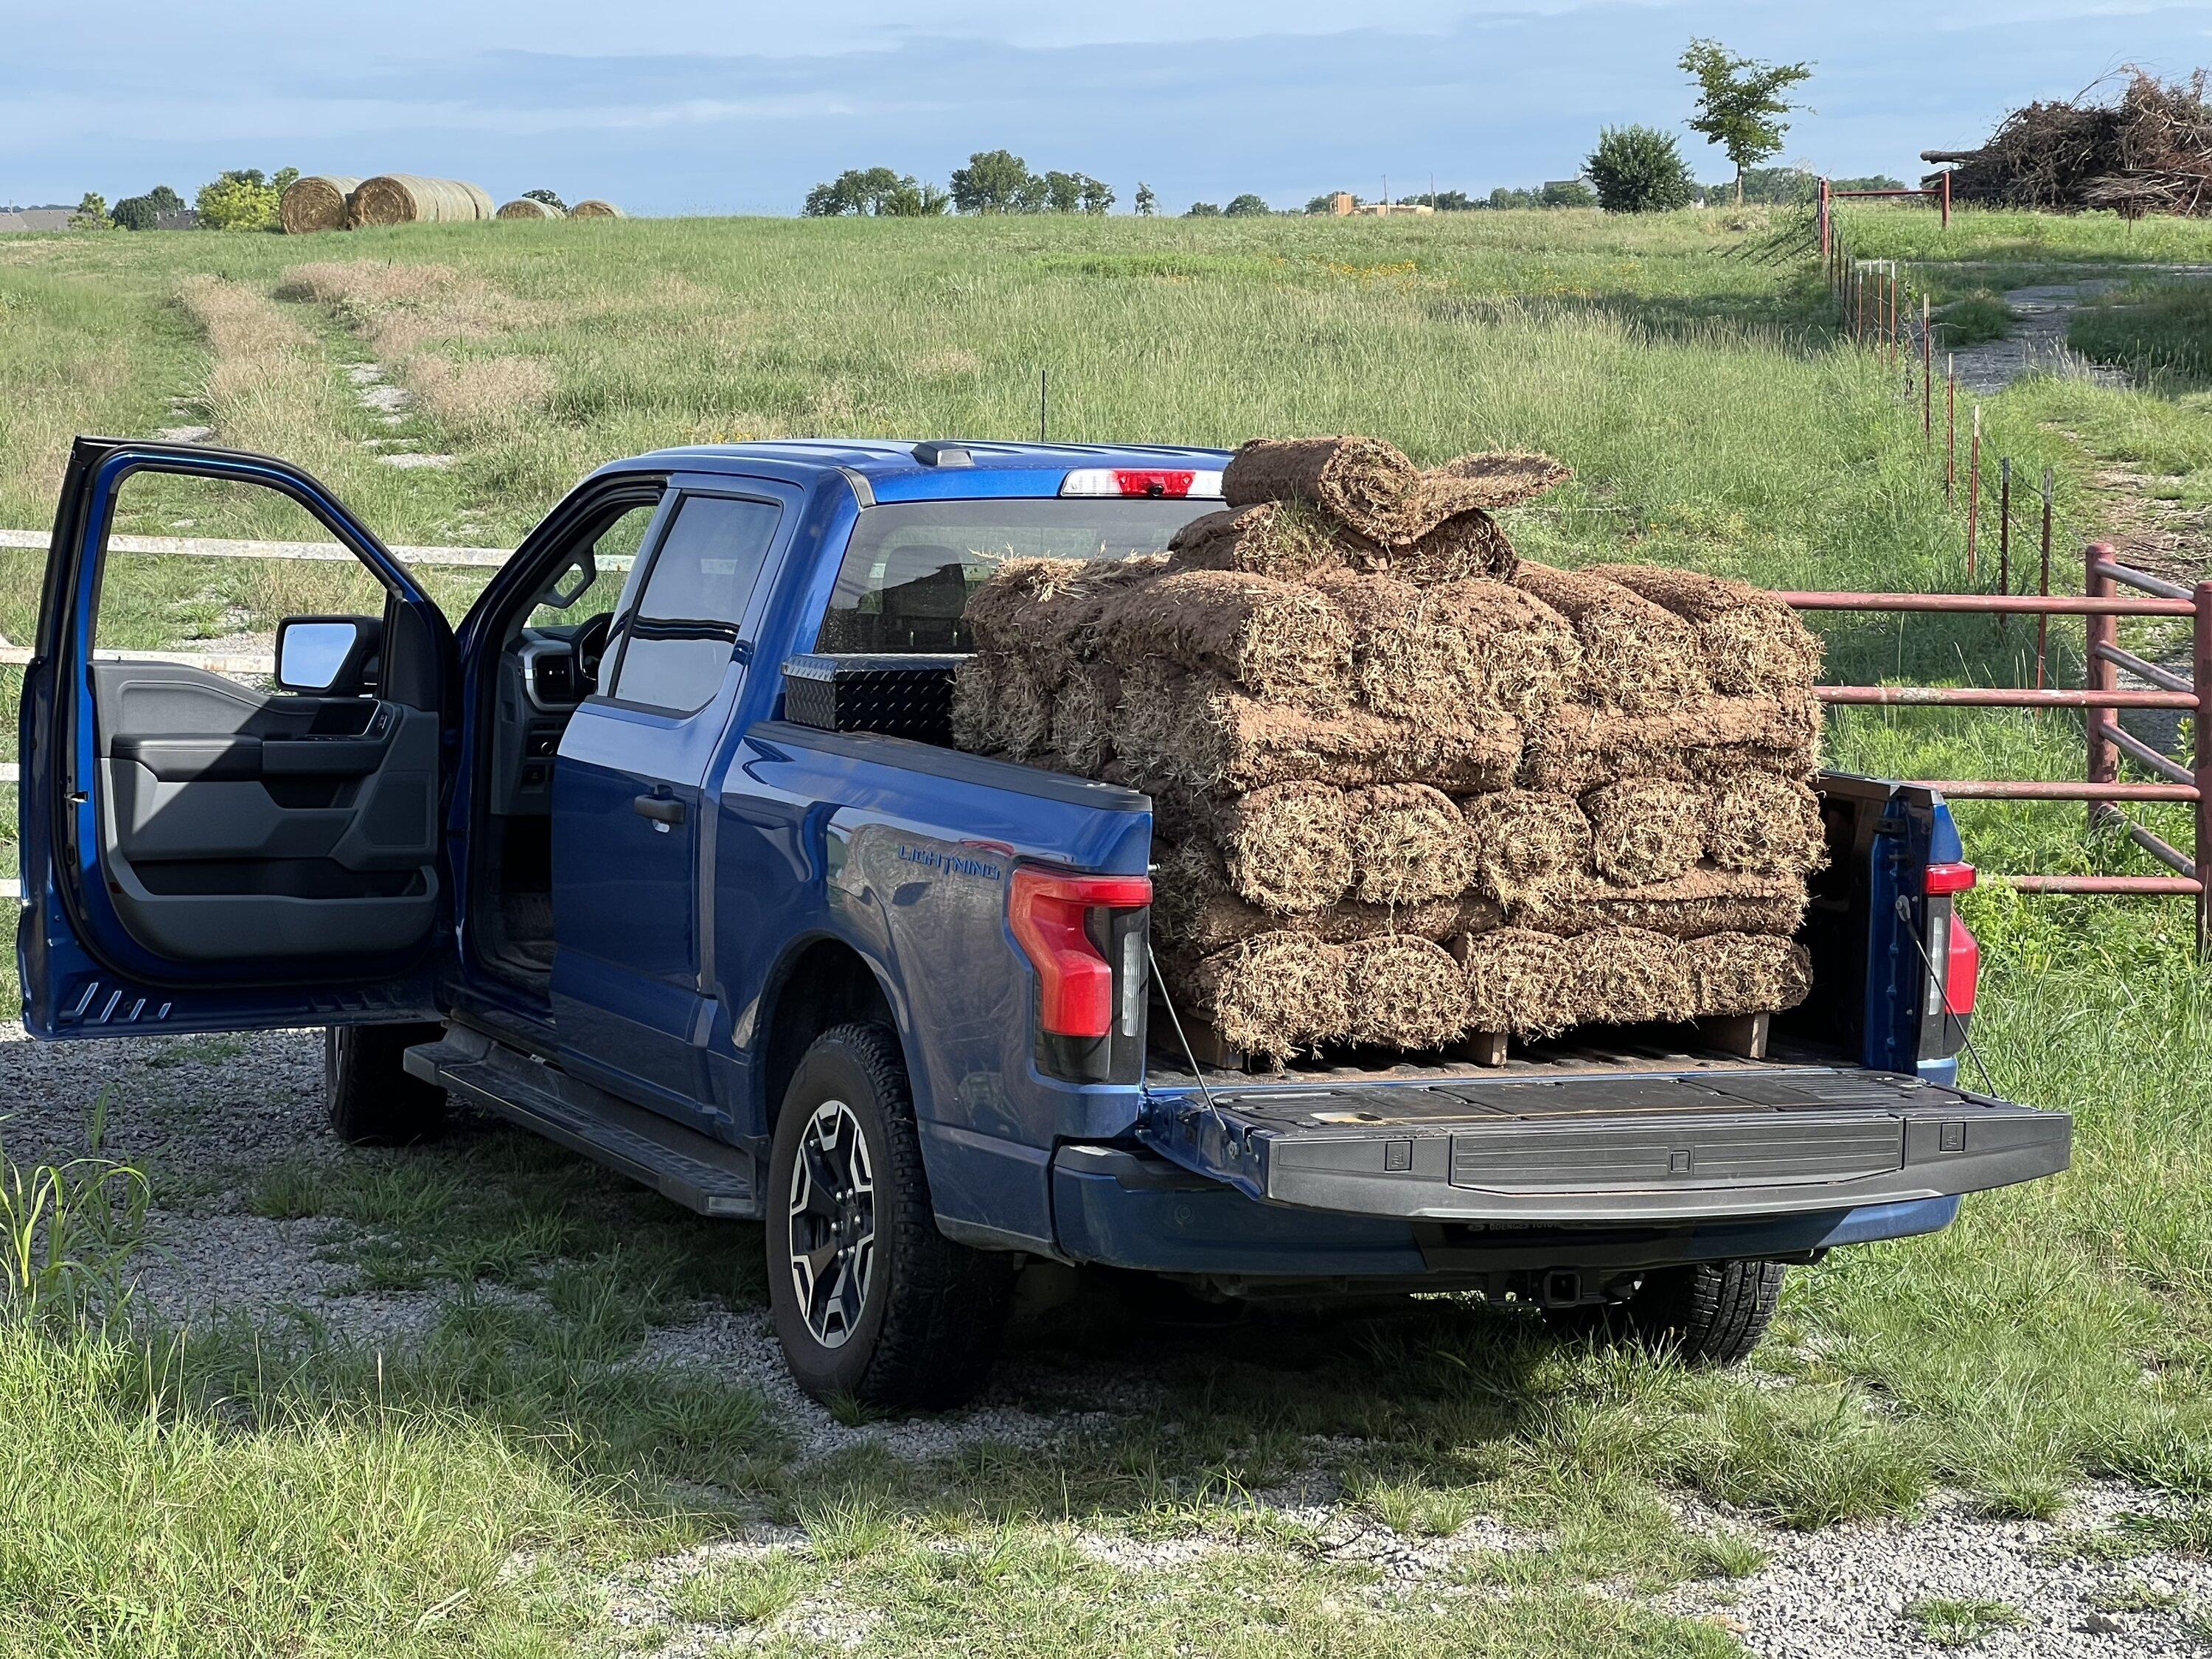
1406, 787
2147, 151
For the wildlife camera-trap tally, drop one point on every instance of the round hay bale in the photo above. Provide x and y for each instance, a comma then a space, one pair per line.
529, 207
1273, 993
1517, 981
1403, 992
1637, 656
592, 208
1408, 843
1627, 976
1276, 639
1745, 974
1751, 641
1645, 829
407, 199
316, 201
1288, 847
1763, 822
1522, 844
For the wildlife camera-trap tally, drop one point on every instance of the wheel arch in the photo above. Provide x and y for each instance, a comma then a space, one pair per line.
824, 983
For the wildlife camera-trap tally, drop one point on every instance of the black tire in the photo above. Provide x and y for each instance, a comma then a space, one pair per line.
920, 1326
1704, 1313
371, 1099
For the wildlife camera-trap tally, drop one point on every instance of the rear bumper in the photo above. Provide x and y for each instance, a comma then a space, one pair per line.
1133, 1209
1611, 1150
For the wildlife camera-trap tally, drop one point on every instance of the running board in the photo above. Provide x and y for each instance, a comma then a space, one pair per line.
696, 1170
1605, 1149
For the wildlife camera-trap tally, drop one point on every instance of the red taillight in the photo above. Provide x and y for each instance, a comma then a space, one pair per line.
1140, 483
1165, 482
1048, 913
1962, 967
1949, 879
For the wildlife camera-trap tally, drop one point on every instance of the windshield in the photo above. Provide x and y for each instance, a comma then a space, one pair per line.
911, 565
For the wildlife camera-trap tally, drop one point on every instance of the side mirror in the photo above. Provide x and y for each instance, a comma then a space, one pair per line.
327, 656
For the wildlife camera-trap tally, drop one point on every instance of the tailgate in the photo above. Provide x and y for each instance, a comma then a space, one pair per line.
1606, 1148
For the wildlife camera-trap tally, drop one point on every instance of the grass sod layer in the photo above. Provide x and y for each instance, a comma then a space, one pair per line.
2057, 1332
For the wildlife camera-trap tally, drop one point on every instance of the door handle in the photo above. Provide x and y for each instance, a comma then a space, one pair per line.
661, 809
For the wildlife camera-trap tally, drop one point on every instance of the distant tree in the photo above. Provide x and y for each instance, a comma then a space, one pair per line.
1639, 169
1146, 204
1063, 192
1566, 193
1872, 181
1326, 201
877, 190
1247, 206
1502, 197
1095, 196
910, 200
1740, 102
996, 181
91, 213
546, 197
1451, 201
1202, 210
283, 180
165, 200
135, 213
241, 199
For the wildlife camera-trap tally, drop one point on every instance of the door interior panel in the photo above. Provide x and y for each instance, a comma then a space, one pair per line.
240, 824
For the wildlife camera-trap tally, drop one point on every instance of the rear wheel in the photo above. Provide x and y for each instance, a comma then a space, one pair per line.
870, 1301
371, 1099
1704, 1313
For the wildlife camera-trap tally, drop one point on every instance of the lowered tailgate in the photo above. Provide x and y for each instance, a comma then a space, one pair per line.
1607, 1147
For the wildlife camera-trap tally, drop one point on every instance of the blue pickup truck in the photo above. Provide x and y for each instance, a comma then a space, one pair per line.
664, 853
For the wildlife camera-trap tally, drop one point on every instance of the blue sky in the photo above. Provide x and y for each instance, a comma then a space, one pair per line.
685, 106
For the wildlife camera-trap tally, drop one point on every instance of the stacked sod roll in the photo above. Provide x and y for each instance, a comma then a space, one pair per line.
1408, 788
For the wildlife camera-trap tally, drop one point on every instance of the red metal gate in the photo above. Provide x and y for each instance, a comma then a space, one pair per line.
2101, 604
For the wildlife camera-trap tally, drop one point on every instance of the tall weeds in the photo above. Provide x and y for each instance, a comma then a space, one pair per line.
69, 1231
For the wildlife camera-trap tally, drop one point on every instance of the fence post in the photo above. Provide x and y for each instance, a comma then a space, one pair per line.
2043, 586
2201, 758
1947, 198
2101, 675
1973, 491
2004, 527
1927, 379
1950, 426
1824, 221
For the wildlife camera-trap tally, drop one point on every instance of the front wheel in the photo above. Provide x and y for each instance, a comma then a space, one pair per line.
1703, 1313
871, 1303
371, 1100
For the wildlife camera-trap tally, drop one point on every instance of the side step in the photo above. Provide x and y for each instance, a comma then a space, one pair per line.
696, 1170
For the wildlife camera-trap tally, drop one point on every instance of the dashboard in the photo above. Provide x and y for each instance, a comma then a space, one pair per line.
543, 675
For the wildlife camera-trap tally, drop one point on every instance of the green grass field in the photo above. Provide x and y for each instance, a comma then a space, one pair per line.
316, 1497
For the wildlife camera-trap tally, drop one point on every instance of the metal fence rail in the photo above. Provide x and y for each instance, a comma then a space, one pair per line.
2100, 605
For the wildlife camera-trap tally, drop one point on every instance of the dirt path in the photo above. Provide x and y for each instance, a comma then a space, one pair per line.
2037, 343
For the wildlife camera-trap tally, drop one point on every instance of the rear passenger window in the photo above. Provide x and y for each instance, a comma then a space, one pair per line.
679, 637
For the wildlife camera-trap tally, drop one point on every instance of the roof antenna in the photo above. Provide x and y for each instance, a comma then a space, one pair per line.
1041, 405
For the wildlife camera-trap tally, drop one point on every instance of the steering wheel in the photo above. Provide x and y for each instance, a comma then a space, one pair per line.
589, 643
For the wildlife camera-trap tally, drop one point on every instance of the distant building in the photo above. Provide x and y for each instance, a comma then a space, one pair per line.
1392, 209
183, 219
38, 218
1343, 202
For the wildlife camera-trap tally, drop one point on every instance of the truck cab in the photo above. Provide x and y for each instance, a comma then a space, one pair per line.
661, 850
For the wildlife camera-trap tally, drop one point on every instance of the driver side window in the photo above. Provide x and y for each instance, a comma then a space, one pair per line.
613, 551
